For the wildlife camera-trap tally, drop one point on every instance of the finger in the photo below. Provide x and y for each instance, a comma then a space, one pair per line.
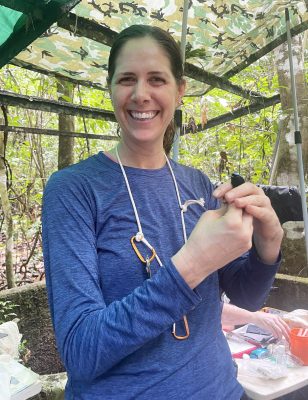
285, 329
214, 214
247, 221
280, 328
239, 221
261, 213
222, 211
255, 199
258, 206
282, 332
221, 190
246, 189
234, 213
273, 327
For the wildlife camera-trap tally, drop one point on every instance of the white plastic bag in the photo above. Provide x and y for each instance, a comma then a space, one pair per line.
16, 379
263, 368
9, 339
4, 385
297, 318
5, 378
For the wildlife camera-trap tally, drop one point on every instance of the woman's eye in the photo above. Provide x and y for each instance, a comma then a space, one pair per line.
157, 80
127, 80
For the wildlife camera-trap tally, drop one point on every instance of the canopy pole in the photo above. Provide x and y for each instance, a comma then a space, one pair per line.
297, 134
178, 111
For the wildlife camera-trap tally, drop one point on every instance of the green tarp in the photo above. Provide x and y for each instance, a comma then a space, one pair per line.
21, 22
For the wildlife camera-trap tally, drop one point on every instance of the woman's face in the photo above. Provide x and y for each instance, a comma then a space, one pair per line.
144, 92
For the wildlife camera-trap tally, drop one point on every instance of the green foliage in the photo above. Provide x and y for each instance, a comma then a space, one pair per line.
244, 145
7, 309
24, 352
247, 142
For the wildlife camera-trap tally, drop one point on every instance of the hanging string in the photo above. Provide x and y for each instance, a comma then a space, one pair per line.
139, 237
183, 208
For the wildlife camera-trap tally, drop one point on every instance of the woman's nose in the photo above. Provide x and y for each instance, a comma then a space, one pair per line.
140, 92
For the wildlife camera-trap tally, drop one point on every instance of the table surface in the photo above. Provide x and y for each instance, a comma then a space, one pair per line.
269, 389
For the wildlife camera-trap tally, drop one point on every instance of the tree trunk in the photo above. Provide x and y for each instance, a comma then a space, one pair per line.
66, 123
6, 206
286, 171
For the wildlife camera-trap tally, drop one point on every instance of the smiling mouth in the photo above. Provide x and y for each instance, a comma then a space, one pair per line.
143, 116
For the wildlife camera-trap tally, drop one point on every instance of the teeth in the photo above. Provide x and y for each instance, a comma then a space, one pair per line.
143, 115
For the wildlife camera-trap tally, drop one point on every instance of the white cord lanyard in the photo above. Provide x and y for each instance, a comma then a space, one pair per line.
139, 237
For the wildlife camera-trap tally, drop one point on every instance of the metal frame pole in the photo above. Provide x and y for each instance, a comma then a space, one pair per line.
178, 111
297, 134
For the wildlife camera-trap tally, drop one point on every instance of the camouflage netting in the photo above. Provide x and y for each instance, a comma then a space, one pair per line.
221, 36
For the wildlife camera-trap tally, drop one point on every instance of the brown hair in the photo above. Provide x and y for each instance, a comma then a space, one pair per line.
172, 50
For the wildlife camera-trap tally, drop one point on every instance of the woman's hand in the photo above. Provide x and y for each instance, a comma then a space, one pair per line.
222, 235
219, 237
267, 231
272, 323
233, 315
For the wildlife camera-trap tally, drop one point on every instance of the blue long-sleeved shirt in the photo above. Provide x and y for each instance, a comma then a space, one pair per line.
112, 324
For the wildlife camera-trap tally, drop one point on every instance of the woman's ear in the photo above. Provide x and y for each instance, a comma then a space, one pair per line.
182, 88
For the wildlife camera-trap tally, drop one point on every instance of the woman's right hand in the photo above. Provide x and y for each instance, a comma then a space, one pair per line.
219, 237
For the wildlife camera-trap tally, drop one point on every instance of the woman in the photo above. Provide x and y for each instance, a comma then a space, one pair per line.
134, 303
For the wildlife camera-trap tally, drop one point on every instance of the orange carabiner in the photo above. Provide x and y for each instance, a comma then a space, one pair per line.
187, 333
139, 254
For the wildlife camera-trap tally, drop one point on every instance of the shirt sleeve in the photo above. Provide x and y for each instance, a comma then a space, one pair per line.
91, 336
247, 280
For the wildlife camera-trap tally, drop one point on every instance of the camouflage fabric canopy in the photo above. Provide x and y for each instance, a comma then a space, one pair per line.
222, 37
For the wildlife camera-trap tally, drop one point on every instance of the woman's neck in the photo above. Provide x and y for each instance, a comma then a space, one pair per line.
139, 158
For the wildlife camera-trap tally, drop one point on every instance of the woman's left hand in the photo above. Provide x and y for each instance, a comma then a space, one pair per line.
268, 233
